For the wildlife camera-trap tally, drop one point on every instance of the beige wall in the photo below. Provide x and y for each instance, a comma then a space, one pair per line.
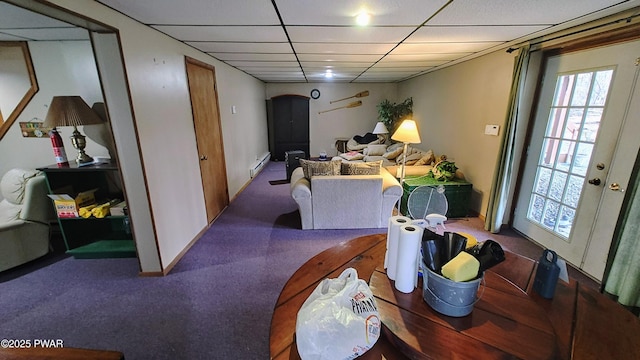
452, 107
325, 128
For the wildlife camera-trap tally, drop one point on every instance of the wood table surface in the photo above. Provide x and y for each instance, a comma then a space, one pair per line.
64, 353
509, 321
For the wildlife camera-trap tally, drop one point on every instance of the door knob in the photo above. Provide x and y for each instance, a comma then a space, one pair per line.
595, 181
203, 157
614, 186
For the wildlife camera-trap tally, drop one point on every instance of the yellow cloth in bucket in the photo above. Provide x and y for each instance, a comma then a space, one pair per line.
463, 267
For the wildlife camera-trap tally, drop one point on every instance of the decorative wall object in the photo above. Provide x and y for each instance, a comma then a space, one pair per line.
358, 95
35, 129
351, 105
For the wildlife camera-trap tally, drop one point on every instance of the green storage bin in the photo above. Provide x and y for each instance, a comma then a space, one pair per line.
457, 192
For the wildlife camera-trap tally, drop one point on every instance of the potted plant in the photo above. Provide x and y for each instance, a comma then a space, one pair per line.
390, 113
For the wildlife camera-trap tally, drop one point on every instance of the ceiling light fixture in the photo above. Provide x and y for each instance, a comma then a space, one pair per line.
363, 18
328, 74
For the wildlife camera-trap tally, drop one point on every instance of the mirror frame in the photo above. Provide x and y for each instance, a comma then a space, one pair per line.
4, 127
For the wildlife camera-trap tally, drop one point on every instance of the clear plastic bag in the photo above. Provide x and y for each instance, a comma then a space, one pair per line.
339, 320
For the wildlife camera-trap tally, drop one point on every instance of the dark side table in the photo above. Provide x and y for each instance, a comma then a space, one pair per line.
457, 191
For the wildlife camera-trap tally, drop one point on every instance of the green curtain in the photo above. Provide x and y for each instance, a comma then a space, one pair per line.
501, 185
623, 279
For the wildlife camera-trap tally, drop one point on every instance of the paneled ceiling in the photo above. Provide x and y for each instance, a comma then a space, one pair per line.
300, 40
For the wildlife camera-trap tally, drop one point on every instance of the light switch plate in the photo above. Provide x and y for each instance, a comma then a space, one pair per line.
492, 130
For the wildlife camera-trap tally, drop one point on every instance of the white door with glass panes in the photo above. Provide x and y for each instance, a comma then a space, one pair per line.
581, 154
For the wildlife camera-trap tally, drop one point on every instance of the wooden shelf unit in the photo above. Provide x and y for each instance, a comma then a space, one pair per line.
107, 237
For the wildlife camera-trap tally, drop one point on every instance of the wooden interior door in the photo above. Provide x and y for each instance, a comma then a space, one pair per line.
206, 120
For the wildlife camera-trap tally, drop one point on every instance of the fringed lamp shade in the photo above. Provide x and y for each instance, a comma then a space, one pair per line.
72, 111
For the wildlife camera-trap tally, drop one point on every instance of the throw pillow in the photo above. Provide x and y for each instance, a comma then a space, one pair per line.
367, 138
390, 155
375, 150
352, 155
319, 168
427, 159
365, 168
411, 159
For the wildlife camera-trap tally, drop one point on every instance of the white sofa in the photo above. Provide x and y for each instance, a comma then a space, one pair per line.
25, 214
345, 201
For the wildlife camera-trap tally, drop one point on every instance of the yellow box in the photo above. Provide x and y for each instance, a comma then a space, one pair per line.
67, 206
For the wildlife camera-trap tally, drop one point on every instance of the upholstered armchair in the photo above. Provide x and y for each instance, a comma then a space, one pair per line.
25, 215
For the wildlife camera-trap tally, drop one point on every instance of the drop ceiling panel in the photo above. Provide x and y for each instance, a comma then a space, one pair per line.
225, 33
471, 33
391, 63
334, 64
516, 12
241, 47
342, 48
273, 69
50, 34
13, 17
343, 70
274, 64
339, 57
343, 12
7, 37
371, 35
384, 77
442, 58
198, 12
452, 49
254, 57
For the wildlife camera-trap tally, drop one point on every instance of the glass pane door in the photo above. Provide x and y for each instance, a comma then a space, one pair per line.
572, 128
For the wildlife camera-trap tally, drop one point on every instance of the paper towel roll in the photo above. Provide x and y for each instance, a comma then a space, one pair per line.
407, 259
393, 235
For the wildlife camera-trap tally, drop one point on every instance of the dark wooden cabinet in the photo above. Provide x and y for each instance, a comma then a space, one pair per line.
288, 125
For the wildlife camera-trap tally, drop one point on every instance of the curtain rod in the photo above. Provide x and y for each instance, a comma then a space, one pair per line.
627, 20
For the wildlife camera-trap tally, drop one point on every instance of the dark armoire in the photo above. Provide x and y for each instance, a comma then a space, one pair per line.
288, 125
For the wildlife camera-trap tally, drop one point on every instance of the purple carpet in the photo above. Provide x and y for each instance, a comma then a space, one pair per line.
215, 304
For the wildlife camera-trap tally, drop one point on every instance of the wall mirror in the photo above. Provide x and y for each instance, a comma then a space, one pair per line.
17, 81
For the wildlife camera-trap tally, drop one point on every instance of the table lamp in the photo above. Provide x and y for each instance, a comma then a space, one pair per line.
381, 131
72, 111
408, 134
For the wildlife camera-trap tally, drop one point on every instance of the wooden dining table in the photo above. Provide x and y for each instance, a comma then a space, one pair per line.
509, 321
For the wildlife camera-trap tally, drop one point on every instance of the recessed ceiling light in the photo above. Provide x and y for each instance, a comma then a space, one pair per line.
328, 74
363, 18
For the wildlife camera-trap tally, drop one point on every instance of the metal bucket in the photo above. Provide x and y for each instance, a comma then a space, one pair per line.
449, 297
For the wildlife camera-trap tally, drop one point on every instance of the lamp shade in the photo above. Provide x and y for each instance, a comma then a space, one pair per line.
407, 133
380, 128
70, 111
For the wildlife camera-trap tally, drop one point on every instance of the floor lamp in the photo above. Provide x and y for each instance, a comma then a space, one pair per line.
407, 133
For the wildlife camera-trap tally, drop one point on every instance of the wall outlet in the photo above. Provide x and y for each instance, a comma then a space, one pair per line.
492, 130
233, 109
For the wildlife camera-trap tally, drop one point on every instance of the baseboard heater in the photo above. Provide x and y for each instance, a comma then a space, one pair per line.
259, 164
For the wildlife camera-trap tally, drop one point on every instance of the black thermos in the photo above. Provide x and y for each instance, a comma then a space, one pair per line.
547, 274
